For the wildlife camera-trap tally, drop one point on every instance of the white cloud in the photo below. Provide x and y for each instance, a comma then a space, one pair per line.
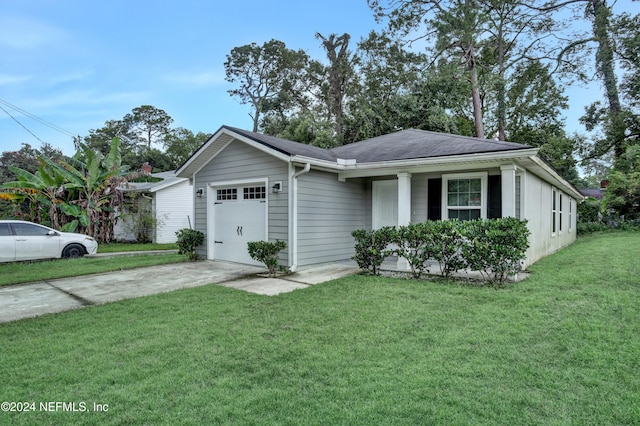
7, 79
26, 34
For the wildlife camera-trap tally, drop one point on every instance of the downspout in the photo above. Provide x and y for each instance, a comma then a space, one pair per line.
294, 217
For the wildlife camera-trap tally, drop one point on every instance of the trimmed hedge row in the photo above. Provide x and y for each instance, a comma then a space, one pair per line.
492, 247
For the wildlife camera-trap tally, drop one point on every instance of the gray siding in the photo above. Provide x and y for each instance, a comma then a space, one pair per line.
239, 161
328, 211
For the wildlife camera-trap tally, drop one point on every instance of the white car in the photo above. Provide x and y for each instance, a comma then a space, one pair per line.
21, 240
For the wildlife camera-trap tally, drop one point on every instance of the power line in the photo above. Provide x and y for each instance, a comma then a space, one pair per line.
22, 125
35, 118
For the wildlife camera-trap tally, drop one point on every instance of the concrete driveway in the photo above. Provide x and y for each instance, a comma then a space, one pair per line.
45, 297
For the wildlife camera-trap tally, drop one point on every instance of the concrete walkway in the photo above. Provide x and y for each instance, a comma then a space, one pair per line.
45, 297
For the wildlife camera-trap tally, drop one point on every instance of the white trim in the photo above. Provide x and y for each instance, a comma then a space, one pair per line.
554, 211
483, 176
238, 182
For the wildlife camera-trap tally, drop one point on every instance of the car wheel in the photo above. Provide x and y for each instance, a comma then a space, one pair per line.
73, 250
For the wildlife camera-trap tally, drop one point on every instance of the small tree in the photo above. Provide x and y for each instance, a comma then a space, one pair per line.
446, 247
371, 247
415, 242
495, 247
267, 253
188, 242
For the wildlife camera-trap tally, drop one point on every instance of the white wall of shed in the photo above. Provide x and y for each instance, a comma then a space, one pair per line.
173, 209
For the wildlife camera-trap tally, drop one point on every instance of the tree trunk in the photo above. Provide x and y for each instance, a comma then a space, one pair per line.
615, 128
475, 92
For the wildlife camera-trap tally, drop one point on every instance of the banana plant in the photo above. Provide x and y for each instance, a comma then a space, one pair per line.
82, 190
93, 180
44, 189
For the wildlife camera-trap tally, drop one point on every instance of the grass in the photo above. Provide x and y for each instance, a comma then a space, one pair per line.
562, 347
24, 272
125, 247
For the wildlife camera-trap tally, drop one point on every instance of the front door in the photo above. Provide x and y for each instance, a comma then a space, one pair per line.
385, 203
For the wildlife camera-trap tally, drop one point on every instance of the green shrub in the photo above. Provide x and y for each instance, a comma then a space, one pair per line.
492, 247
188, 242
495, 247
589, 210
267, 252
415, 243
371, 247
446, 246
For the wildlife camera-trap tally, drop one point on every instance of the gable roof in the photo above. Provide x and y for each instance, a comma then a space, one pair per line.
413, 144
286, 146
402, 149
402, 145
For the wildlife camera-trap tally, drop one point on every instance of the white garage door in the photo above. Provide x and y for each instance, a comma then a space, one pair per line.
240, 216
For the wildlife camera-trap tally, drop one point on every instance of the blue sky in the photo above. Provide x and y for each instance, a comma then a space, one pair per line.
79, 63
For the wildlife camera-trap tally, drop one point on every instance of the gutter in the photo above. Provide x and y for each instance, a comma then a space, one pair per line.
294, 216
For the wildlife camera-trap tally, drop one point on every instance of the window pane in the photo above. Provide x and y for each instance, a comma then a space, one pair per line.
453, 186
464, 214
475, 185
463, 185
255, 193
474, 199
452, 199
463, 199
4, 230
25, 229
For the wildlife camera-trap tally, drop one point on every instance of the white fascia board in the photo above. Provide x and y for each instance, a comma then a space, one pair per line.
330, 166
555, 178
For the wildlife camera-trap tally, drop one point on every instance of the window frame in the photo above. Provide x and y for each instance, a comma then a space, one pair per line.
482, 176
554, 212
560, 212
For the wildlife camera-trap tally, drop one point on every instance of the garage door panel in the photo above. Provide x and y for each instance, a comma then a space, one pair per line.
237, 222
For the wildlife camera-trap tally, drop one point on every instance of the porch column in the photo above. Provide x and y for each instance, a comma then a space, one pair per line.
508, 190
404, 209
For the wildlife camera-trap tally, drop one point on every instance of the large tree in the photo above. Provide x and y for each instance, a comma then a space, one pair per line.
264, 73
489, 38
141, 132
397, 89
340, 73
150, 124
453, 30
181, 143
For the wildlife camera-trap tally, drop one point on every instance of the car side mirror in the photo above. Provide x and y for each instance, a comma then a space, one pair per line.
52, 233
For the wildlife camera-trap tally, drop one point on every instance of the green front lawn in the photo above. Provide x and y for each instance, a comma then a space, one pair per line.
562, 347
25, 272
130, 247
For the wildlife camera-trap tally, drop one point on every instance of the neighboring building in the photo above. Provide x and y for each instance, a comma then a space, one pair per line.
169, 202
596, 193
251, 187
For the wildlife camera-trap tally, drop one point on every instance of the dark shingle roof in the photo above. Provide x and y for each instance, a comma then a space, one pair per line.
286, 146
413, 144
402, 145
